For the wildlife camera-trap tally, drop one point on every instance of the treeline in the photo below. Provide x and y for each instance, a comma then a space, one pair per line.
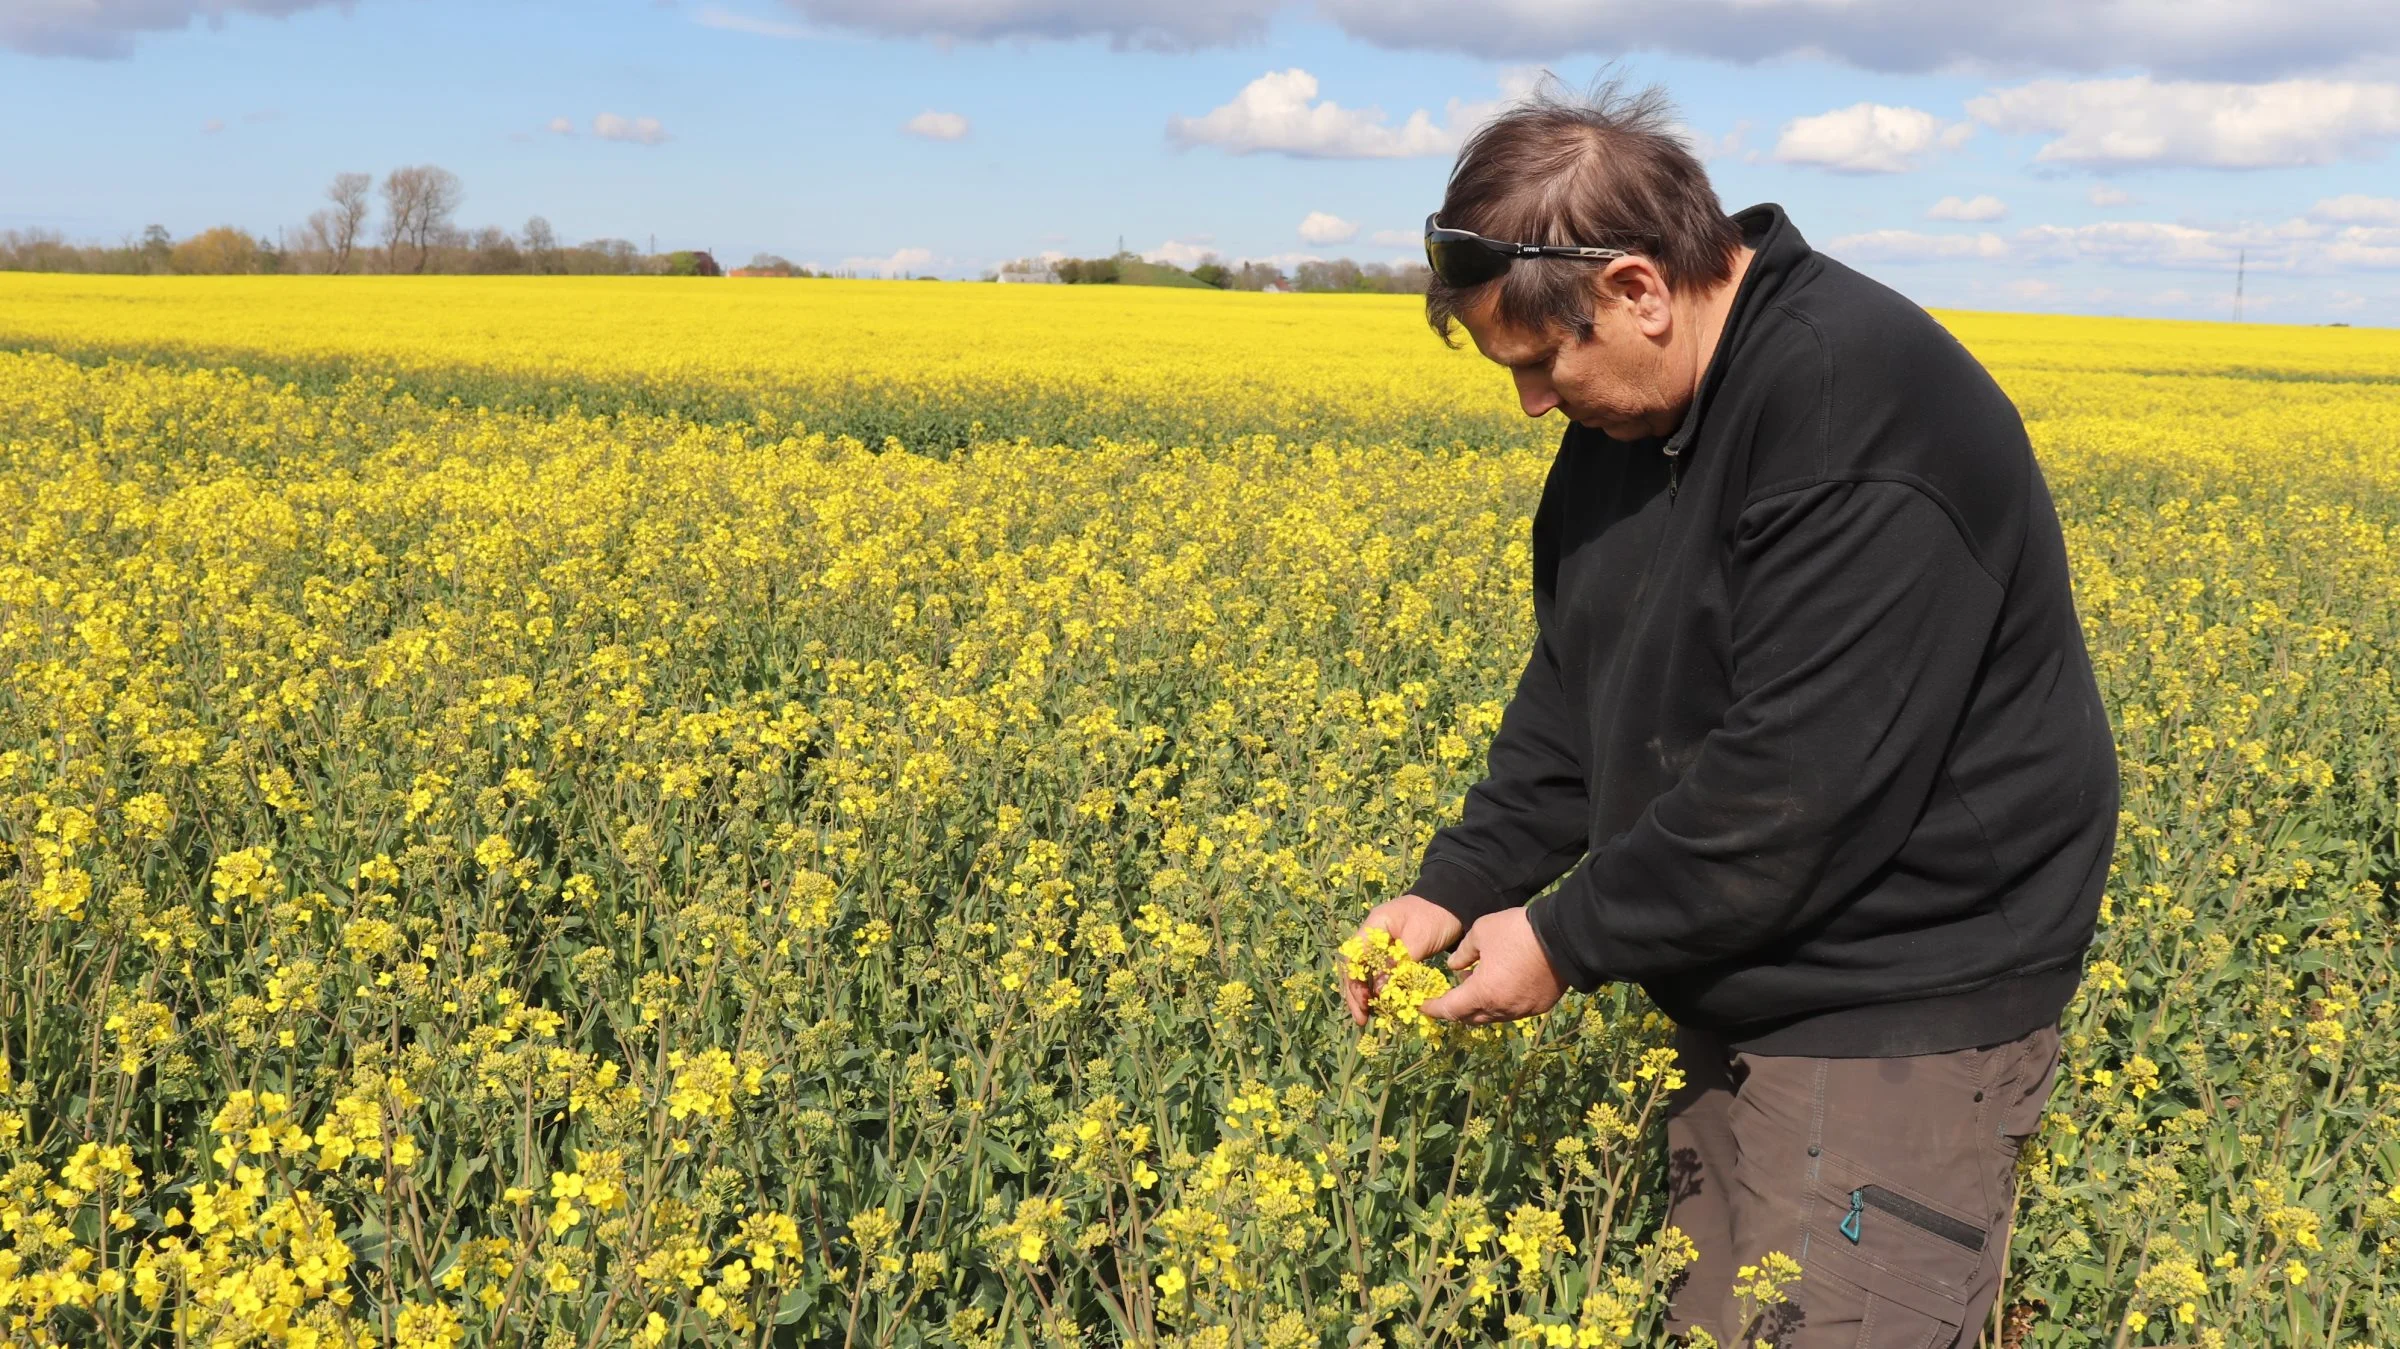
407, 224
1334, 274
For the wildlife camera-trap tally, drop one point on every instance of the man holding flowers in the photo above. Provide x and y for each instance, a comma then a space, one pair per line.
1808, 739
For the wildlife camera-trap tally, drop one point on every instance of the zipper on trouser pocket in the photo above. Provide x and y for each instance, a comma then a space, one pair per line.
1908, 1211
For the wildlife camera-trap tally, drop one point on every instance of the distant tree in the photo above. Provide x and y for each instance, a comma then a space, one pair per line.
1088, 271
496, 252
340, 226
541, 246
1258, 276
316, 241
1407, 277
222, 251
601, 257
1338, 274
156, 245
418, 202
1212, 272
41, 251
771, 264
692, 262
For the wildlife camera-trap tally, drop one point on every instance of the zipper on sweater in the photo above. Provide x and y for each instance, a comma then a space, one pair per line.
1673, 450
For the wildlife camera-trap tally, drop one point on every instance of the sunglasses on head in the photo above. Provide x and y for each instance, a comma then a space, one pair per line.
1463, 258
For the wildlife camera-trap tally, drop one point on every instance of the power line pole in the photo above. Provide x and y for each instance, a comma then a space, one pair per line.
2240, 267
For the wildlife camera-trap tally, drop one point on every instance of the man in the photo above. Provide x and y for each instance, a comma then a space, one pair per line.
1808, 729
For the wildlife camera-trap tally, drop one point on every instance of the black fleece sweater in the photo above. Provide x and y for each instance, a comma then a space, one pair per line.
1809, 713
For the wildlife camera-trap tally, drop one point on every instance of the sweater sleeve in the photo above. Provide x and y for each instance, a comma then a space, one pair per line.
1860, 616
1528, 820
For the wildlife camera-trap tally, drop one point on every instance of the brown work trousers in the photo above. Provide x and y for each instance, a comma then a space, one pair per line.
1891, 1181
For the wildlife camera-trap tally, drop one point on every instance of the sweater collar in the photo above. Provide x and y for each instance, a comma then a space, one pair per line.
1777, 251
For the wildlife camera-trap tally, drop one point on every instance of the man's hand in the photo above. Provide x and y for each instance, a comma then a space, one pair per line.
1509, 976
1419, 924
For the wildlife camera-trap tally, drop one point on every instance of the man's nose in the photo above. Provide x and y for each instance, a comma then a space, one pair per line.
1536, 396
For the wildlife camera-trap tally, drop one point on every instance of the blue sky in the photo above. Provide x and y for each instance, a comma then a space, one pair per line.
2100, 156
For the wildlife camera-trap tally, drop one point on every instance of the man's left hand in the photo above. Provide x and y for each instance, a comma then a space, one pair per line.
1508, 975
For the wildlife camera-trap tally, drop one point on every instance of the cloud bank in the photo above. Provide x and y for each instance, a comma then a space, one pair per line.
632, 130
1280, 113
106, 29
2141, 122
1868, 138
2224, 39
936, 126
2337, 234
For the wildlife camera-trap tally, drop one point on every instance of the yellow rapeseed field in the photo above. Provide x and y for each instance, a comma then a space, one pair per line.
612, 812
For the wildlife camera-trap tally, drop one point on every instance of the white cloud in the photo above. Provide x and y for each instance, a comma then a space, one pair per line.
2309, 245
1319, 227
1287, 261
713, 16
1184, 253
1709, 147
2143, 122
1868, 138
1410, 239
1915, 246
1973, 210
2356, 208
637, 130
936, 126
2139, 243
106, 28
2361, 247
560, 126
2223, 39
901, 262
2104, 195
1280, 113
1161, 25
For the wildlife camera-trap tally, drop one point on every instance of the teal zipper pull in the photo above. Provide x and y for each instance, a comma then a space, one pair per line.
1858, 1208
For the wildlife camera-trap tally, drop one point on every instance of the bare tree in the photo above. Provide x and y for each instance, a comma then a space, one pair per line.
495, 252
337, 228
541, 245
417, 203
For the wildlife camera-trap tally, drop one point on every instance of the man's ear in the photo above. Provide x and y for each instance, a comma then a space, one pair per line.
1636, 284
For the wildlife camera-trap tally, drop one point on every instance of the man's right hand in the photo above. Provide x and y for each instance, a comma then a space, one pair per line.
1419, 925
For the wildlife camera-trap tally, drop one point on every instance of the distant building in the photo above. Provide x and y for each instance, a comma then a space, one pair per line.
1029, 272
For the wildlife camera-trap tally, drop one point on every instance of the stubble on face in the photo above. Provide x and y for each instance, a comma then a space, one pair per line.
1611, 380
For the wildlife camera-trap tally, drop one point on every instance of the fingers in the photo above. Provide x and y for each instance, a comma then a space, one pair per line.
1465, 1002
1467, 952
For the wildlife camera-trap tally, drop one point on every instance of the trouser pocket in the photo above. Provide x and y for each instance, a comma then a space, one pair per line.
1887, 1264
1907, 1210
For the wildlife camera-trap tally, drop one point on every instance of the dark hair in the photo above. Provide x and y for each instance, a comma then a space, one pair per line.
1606, 169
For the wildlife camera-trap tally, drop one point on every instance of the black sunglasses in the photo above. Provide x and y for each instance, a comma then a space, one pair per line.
1463, 258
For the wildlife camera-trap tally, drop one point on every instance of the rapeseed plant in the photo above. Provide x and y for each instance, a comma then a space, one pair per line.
587, 868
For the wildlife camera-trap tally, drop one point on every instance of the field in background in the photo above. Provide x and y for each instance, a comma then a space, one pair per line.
518, 823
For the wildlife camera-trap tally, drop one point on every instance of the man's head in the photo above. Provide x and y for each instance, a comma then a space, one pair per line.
1616, 344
